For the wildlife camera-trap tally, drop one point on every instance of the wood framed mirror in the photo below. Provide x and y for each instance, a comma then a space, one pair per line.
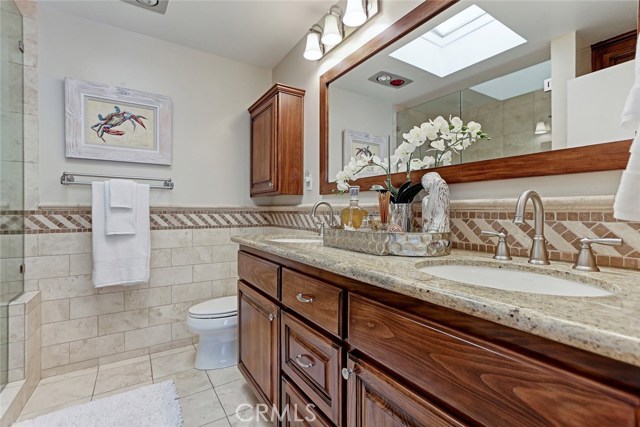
589, 158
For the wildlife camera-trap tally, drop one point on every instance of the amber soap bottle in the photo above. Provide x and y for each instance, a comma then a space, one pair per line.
352, 216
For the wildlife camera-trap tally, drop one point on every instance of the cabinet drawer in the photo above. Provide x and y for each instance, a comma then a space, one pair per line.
318, 301
490, 384
258, 272
301, 412
312, 361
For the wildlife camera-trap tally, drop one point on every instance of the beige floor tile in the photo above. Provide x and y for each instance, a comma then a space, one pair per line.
234, 394
61, 392
174, 363
188, 382
120, 390
201, 408
225, 375
220, 423
124, 362
30, 415
250, 418
68, 375
172, 351
123, 376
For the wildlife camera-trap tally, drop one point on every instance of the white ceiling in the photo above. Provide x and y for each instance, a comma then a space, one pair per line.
258, 32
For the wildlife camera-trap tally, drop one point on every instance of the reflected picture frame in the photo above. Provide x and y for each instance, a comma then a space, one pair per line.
112, 123
353, 144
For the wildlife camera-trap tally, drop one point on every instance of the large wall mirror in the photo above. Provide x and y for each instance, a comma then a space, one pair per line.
545, 107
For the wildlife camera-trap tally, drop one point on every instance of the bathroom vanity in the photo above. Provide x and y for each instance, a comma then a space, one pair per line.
373, 341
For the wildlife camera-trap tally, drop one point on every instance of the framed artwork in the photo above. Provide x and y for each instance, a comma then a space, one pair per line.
356, 143
113, 123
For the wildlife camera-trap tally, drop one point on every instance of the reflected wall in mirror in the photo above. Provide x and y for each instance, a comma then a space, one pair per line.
507, 93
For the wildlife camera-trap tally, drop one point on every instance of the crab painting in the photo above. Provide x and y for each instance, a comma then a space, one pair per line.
111, 121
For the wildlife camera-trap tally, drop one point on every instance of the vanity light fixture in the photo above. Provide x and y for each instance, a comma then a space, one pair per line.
541, 128
313, 50
355, 15
332, 35
329, 32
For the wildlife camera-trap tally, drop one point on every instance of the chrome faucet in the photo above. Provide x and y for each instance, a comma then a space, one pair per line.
320, 222
538, 254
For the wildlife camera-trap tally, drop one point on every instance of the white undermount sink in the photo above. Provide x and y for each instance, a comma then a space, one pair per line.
514, 280
294, 240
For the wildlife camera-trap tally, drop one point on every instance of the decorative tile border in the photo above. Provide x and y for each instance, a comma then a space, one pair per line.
564, 225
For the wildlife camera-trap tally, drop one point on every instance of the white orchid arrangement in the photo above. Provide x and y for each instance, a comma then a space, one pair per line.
443, 137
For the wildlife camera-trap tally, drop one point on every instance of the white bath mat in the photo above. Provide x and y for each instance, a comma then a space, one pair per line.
155, 405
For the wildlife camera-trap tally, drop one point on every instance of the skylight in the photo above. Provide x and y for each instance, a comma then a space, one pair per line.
467, 38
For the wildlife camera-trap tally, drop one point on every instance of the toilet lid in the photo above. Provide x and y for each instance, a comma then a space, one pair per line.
219, 307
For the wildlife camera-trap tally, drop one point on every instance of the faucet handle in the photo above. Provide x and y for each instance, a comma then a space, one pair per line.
502, 249
586, 261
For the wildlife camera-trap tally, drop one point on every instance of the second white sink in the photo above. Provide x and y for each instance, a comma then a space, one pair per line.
514, 280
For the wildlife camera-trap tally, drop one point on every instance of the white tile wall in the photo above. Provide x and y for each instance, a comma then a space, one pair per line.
83, 327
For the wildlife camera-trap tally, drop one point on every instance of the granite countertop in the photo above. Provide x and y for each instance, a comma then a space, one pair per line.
609, 325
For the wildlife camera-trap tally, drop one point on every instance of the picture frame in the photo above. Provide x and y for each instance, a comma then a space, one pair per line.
105, 122
353, 142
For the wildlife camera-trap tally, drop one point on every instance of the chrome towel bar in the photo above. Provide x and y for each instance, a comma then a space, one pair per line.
69, 178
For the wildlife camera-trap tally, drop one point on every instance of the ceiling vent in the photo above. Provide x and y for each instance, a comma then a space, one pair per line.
159, 6
390, 80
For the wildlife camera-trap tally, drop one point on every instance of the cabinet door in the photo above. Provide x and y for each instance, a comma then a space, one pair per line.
376, 400
258, 343
263, 146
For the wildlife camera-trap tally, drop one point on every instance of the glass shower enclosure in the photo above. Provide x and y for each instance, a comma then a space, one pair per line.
11, 173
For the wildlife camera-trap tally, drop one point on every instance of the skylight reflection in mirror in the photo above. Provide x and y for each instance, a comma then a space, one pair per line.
465, 39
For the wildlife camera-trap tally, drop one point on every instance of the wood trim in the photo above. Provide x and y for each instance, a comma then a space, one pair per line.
590, 158
600, 157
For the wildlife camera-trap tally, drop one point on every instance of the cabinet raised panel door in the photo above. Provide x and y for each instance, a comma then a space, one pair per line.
263, 138
258, 320
374, 399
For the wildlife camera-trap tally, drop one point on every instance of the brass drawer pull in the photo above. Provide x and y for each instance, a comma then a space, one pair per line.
300, 363
305, 298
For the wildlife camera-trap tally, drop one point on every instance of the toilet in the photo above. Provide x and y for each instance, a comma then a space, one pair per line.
216, 322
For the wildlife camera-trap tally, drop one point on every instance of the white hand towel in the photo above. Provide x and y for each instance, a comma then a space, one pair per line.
122, 193
119, 220
627, 201
120, 259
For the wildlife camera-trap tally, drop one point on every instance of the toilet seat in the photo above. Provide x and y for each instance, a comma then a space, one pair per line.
215, 309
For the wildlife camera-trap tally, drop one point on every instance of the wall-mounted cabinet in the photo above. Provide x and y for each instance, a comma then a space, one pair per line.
277, 142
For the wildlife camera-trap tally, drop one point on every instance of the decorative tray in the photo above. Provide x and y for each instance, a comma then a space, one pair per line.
385, 243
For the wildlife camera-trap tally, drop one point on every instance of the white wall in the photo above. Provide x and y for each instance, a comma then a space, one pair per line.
210, 120
297, 71
598, 98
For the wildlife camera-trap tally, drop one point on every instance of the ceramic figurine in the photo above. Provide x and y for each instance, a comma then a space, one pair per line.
435, 207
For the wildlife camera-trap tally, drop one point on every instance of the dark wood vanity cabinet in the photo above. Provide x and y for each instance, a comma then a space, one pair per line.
258, 327
362, 356
277, 142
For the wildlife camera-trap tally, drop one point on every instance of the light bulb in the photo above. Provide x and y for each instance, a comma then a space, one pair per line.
354, 15
331, 34
313, 51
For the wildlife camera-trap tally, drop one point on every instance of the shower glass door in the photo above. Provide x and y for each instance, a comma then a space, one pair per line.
11, 172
